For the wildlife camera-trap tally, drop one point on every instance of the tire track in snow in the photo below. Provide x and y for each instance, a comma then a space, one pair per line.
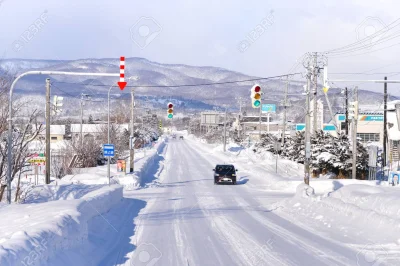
326, 256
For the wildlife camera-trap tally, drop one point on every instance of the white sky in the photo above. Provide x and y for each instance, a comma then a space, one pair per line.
206, 32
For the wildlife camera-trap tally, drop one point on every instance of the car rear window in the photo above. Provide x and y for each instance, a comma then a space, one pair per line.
224, 168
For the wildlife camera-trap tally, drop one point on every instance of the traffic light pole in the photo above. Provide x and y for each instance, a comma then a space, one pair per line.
259, 133
10, 114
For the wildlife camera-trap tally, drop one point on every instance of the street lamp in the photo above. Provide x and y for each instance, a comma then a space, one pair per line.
10, 114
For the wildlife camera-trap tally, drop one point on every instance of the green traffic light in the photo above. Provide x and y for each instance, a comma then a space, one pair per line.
256, 103
170, 115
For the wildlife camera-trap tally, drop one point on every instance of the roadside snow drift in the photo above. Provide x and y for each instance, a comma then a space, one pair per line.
36, 232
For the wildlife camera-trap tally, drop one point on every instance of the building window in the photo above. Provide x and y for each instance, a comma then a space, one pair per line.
368, 137
53, 138
343, 126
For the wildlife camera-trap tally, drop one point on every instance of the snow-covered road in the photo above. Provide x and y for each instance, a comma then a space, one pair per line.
190, 221
182, 218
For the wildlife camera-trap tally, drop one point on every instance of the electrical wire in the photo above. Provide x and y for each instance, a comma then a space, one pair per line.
185, 85
366, 46
344, 56
362, 41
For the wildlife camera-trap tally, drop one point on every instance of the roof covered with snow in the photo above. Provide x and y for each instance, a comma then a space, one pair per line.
54, 130
87, 128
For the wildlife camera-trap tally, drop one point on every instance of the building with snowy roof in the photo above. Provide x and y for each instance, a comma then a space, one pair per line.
57, 133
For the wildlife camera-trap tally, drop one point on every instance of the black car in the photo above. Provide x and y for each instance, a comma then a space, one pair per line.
180, 137
225, 173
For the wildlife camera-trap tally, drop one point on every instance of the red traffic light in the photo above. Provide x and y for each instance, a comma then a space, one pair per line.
257, 89
170, 105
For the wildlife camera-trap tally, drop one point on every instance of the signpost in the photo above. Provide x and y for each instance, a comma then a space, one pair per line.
108, 150
268, 108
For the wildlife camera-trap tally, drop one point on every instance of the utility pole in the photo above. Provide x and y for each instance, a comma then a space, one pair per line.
82, 104
225, 130
132, 151
315, 112
81, 121
385, 97
239, 116
354, 134
284, 112
108, 135
10, 115
347, 112
307, 134
48, 131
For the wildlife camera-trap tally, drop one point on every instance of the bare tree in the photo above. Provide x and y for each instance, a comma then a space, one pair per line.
25, 130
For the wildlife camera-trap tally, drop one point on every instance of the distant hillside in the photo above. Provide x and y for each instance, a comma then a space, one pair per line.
152, 74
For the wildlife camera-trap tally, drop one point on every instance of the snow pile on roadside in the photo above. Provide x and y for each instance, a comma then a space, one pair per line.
345, 208
62, 191
144, 162
40, 231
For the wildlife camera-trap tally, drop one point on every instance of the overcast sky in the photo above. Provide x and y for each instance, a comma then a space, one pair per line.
206, 32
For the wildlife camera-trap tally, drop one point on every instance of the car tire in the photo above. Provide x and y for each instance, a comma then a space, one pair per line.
234, 182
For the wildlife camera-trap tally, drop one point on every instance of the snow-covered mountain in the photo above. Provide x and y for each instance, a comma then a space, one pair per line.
156, 74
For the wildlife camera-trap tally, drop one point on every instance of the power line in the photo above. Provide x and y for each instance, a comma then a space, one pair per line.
363, 73
362, 41
184, 85
343, 56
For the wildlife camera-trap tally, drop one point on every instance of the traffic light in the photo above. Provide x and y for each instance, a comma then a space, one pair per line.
256, 96
353, 110
57, 104
170, 110
160, 125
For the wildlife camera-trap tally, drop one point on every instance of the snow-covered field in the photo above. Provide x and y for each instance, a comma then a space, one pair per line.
170, 213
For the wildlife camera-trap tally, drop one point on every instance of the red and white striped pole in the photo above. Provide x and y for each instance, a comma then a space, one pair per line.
122, 82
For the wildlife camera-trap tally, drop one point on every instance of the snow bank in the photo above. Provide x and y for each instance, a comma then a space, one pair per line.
147, 170
348, 204
40, 231
304, 191
145, 162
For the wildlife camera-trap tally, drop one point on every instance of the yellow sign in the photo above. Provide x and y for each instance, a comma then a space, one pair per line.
325, 89
37, 160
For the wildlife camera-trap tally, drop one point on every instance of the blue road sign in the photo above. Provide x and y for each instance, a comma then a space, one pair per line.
108, 150
300, 127
268, 108
329, 127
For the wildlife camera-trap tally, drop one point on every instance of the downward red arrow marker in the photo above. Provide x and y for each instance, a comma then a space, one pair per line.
122, 83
